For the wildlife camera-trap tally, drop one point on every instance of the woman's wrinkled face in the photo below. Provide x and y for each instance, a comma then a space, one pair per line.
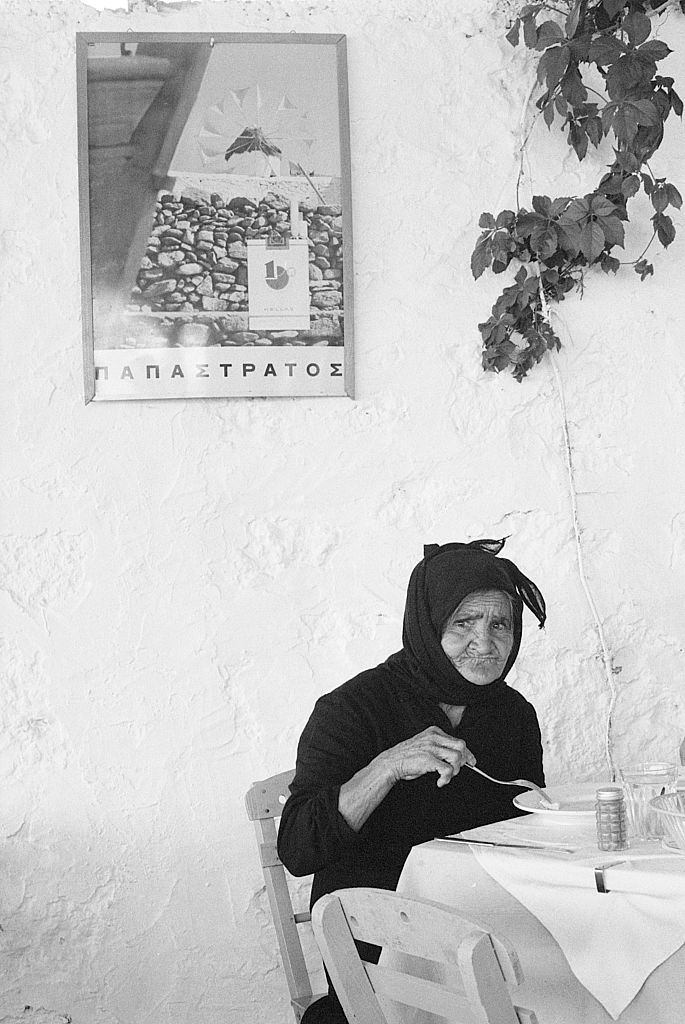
479, 636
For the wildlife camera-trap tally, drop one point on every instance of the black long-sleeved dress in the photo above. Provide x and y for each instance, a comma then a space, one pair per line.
347, 729
380, 708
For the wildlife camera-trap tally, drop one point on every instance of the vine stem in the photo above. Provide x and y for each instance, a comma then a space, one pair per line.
524, 140
630, 263
601, 95
607, 659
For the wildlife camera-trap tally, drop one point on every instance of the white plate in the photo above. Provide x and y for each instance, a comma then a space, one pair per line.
576, 800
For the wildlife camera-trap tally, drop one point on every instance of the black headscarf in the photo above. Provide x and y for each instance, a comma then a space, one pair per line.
439, 583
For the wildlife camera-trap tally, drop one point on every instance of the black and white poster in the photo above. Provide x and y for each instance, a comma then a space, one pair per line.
215, 215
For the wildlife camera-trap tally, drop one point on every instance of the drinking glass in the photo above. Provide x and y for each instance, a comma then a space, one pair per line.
641, 782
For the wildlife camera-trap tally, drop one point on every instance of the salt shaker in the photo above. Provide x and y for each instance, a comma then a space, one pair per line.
610, 812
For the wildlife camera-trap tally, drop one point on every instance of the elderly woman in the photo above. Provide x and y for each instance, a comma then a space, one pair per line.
378, 763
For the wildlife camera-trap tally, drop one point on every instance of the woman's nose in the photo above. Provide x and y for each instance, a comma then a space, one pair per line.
482, 640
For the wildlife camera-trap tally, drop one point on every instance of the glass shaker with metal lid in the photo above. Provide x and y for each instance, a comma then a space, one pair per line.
610, 813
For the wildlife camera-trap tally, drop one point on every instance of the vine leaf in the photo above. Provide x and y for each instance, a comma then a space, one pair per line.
654, 50
638, 27
647, 184
647, 113
612, 7
530, 32
572, 87
580, 47
674, 196
570, 236
602, 207
577, 138
660, 198
548, 34
664, 228
627, 161
625, 123
591, 241
572, 20
553, 244
644, 269
552, 65
610, 264
606, 50
542, 205
607, 117
628, 74
577, 209
594, 130
544, 242
512, 35
481, 257
614, 232
630, 186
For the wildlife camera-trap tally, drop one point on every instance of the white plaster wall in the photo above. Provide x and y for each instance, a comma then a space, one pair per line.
180, 580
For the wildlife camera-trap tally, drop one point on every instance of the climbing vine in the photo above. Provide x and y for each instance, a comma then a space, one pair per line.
598, 72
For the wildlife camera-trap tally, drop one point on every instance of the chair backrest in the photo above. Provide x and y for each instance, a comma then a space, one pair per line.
468, 981
264, 802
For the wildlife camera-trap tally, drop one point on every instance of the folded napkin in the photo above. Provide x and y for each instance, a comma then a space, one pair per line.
612, 941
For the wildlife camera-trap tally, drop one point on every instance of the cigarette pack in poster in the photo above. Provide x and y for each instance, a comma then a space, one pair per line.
278, 286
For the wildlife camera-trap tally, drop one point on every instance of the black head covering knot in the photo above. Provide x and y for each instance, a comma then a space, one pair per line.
438, 584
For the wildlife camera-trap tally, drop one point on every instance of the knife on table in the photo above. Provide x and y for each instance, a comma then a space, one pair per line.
506, 846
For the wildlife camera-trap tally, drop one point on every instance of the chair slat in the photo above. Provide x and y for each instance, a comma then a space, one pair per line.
268, 855
483, 979
422, 928
430, 996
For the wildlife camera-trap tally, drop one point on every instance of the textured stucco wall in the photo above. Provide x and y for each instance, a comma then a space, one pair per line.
180, 580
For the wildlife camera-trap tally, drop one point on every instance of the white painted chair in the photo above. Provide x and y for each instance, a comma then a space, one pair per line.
264, 802
477, 992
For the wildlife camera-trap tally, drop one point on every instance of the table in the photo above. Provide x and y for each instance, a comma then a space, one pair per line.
449, 873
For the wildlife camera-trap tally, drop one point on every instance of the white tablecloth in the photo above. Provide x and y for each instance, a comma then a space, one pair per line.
450, 873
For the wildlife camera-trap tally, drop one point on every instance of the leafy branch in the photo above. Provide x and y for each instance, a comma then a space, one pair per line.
555, 242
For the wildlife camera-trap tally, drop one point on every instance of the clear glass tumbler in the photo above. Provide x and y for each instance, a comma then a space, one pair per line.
641, 782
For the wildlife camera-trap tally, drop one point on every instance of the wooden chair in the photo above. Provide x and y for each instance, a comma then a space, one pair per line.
476, 989
264, 801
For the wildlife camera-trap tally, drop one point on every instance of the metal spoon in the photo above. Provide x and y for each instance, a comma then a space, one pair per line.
523, 783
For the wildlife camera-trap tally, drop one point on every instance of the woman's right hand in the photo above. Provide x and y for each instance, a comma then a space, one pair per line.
429, 751
432, 750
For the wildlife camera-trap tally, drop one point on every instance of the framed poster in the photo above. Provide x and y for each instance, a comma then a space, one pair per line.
216, 236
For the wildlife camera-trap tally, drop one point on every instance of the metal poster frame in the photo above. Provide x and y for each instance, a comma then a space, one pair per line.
214, 181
